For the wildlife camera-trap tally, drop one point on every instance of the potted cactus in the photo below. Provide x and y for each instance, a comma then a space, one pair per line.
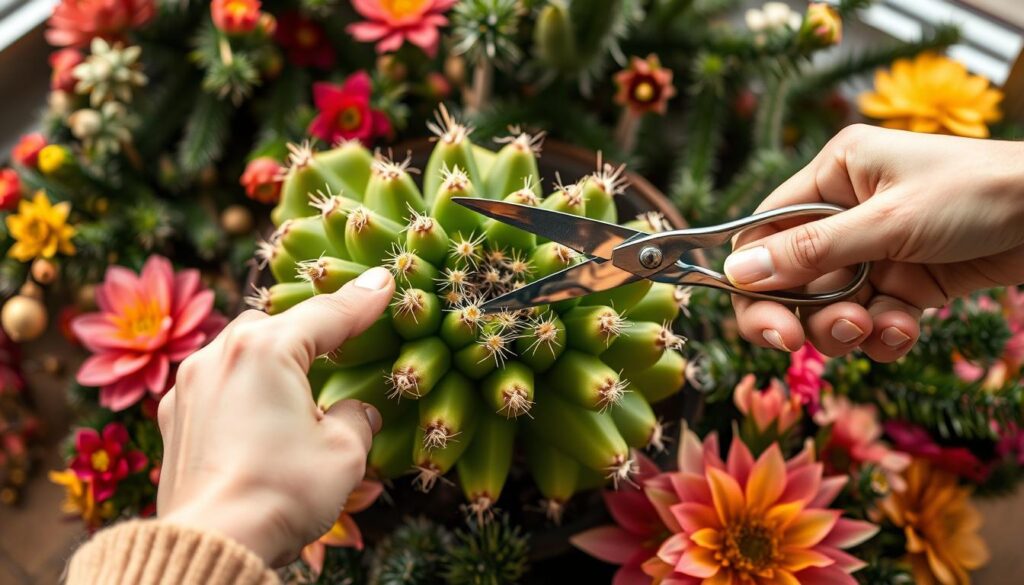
572, 384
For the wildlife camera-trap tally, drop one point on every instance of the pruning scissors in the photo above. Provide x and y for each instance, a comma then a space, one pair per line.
618, 255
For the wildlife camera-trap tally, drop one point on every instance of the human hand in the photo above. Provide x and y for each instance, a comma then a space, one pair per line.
938, 216
247, 452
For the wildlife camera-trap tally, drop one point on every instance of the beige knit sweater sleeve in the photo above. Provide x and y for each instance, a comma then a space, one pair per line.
150, 552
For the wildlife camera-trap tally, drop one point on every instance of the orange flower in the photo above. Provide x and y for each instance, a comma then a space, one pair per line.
934, 94
941, 526
645, 86
767, 407
345, 532
748, 522
80, 499
235, 16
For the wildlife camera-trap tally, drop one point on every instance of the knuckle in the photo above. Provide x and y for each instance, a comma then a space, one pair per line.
165, 413
851, 135
187, 371
809, 246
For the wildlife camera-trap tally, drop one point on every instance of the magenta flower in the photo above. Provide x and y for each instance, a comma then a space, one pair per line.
345, 112
146, 324
855, 439
105, 459
804, 376
390, 23
916, 441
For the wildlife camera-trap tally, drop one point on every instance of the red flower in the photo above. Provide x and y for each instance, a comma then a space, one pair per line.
63, 62
75, 23
917, 442
10, 189
390, 24
345, 112
262, 179
26, 151
145, 325
645, 86
235, 16
105, 459
305, 41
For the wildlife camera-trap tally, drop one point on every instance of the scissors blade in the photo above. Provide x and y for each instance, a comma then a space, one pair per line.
582, 234
590, 276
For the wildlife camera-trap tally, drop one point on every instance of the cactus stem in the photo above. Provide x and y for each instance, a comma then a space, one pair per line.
655, 221
516, 402
468, 250
410, 303
387, 168
436, 436
401, 262
300, 155
454, 179
454, 279
682, 296
545, 333
259, 299
519, 265
610, 178
446, 128
667, 339
311, 270
359, 218
326, 202
610, 325
266, 250
658, 438
404, 381
610, 392
573, 192
622, 470
553, 510
420, 223
527, 195
428, 477
565, 254
522, 140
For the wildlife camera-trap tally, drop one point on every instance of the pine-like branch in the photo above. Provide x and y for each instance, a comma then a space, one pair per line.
205, 133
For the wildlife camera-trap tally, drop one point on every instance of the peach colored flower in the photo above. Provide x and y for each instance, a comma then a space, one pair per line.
391, 23
75, 23
345, 532
146, 324
770, 408
854, 439
235, 17
644, 86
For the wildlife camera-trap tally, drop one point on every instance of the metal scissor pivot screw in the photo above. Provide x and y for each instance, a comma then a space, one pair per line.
650, 257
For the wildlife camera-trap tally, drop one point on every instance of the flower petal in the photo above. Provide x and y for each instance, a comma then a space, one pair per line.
726, 494
98, 370
193, 313
363, 496
810, 528
609, 543
698, 562
344, 533
798, 559
692, 516
767, 479
848, 533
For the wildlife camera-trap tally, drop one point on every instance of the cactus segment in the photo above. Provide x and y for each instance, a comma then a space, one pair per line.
305, 237
449, 412
639, 347
481, 357
369, 237
391, 453
502, 235
557, 475
542, 342
554, 39
418, 368
515, 163
593, 328
622, 298
280, 297
661, 304
352, 163
585, 435
509, 391
665, 378
334, 210
416, 313
431, 464
600, 189
306, 175
377, 343
410, 270
459, 327
453, 150
484, 467
391, 191
456, 219
566, 199
328, 274
586, 381
637, 423
366, 383
426, 237
271, 254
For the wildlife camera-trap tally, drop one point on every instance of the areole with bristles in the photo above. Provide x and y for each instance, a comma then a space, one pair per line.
457, 381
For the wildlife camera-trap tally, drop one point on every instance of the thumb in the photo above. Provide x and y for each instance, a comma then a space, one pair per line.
321, 324
804, 253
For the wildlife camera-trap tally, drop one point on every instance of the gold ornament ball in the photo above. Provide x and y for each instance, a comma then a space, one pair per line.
85, 297
44, 271
23, 318
236, 220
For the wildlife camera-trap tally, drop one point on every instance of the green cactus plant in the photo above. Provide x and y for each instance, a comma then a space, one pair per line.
457, 386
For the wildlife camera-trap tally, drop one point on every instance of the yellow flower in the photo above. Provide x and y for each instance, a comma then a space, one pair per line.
79, 498
933, 94
40, 229
52, 158
941, 526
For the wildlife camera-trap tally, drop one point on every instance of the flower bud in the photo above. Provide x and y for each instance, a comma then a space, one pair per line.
26, 152
52, 158
235, 17
822, 26
10, 189
262, 179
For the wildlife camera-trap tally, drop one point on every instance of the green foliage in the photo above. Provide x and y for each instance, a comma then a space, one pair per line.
206, 132
493, 553
411, 555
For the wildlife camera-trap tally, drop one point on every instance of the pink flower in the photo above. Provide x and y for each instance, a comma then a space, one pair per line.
758, 522
345, 532
63, 63
304, 41
345, 112
770, 409
1008, 366
105, 459
855, 438
262, 179
390, 23
26, 151
75, 23
146, 324
804, 376
10, 189
235, 17
636, 534
916, 441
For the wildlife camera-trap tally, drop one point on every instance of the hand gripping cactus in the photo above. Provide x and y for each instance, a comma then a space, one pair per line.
457, 387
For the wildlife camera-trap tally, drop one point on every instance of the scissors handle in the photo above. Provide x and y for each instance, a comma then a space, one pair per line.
657, 256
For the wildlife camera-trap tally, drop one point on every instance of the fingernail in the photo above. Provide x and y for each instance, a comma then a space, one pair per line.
774, 338
374, 279
893, 337
751, 265
373, 417
845, 331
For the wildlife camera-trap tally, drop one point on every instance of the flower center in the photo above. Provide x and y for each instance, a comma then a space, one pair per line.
36, 230
751, 545
142, 319
350, 118
644, 92
100, 460
402, 8
238, 8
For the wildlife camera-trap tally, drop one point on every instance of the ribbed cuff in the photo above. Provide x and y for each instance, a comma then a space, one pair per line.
149, 552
